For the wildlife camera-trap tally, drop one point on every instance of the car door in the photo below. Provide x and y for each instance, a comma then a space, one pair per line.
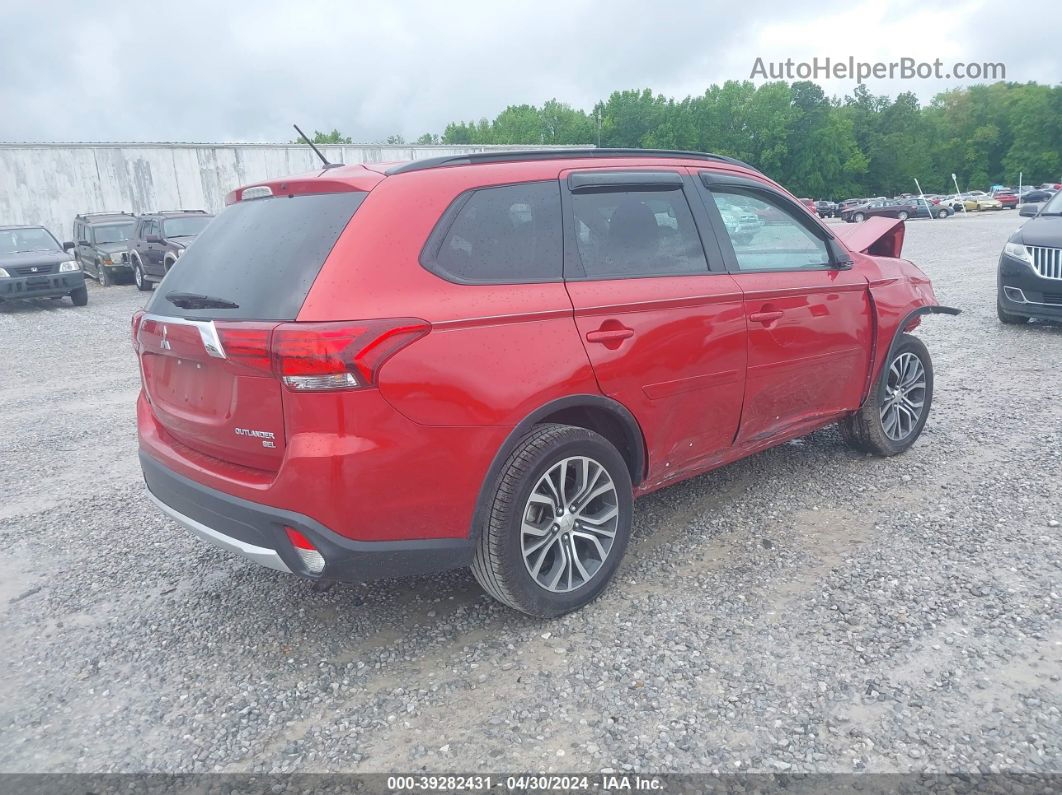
83, 247
809, 314
662, 323
152, 249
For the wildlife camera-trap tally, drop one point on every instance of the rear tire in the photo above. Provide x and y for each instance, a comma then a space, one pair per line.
80, 296
1007, 318
529, 539
890, 421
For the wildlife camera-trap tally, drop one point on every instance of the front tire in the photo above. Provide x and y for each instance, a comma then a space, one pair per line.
903, 216
80, 296
942, 213
103, 276
142, 284
559, 522
858, 217
896, 412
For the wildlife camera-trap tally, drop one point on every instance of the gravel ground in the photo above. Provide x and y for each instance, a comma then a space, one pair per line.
807, 609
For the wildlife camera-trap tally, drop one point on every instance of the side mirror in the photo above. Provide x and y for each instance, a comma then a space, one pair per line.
153, 239
68, 245
1029, 209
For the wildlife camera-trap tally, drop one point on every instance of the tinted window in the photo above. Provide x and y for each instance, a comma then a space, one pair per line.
189, 226
262, 254
765, 235
509, 234
14, 241
636, 233
113, 233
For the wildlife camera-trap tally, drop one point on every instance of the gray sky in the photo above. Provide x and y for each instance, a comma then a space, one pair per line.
230, 70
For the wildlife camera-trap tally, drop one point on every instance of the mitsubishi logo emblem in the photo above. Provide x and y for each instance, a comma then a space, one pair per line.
165, 343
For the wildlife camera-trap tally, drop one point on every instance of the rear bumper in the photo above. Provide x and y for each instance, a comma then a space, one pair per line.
42, 286
257, 532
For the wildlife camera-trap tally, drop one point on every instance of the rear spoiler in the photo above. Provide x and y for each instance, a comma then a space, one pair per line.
878, 236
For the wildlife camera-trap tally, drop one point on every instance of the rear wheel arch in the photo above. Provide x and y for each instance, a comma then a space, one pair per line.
597, 413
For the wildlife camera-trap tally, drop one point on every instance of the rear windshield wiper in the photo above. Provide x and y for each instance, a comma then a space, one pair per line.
193, 301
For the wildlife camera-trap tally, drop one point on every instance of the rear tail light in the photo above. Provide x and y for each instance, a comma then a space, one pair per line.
307, 552
314, 357
138, 316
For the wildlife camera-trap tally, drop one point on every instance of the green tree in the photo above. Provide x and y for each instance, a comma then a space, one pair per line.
334, 137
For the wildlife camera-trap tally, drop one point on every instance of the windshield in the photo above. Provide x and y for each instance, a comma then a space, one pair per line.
258, 258
185, 227
1053, 205
113, 233
17, 241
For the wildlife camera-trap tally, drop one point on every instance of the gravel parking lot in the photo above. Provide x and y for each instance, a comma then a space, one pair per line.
807, 609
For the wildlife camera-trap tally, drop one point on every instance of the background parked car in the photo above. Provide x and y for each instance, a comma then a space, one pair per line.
34, 265
1035, 195
159, 240
100, 242
895, 208
826, 209
1007, 197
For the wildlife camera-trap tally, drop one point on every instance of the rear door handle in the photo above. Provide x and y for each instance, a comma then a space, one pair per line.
766, 317
606, 336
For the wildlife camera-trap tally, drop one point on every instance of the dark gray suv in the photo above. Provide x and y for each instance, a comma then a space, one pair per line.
100, 243
159, 240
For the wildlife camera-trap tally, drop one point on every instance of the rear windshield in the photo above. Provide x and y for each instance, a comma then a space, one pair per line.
260, 254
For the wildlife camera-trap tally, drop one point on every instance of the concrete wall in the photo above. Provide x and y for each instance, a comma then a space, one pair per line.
51, 183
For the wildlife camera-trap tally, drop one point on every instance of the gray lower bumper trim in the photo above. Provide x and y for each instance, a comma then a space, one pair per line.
261, 555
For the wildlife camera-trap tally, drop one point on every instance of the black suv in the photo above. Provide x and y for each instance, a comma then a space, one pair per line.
34, 265
160, 238
1030, 267
101, 240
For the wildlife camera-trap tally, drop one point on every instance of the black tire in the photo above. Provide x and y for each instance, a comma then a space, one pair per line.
864, 429
903, 216
142, 284
499, 562
103, 276
943, 212
80, 296
858, 217
1008, 318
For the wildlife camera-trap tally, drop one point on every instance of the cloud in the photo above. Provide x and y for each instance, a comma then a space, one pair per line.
244, 71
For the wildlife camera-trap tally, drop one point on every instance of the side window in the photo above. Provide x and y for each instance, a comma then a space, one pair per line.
504, 235
766, 235
636, 233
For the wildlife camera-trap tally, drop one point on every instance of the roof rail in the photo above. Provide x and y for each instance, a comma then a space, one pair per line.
85, 216
473, 158
173, 212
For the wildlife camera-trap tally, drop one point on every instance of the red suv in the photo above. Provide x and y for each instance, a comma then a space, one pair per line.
394, 369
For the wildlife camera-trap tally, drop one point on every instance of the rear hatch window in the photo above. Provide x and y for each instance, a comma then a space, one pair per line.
257, 259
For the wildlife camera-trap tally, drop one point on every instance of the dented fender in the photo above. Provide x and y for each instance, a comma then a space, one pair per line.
899, 324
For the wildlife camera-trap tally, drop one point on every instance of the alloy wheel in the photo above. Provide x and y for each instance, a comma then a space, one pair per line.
569, 524
905, 394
